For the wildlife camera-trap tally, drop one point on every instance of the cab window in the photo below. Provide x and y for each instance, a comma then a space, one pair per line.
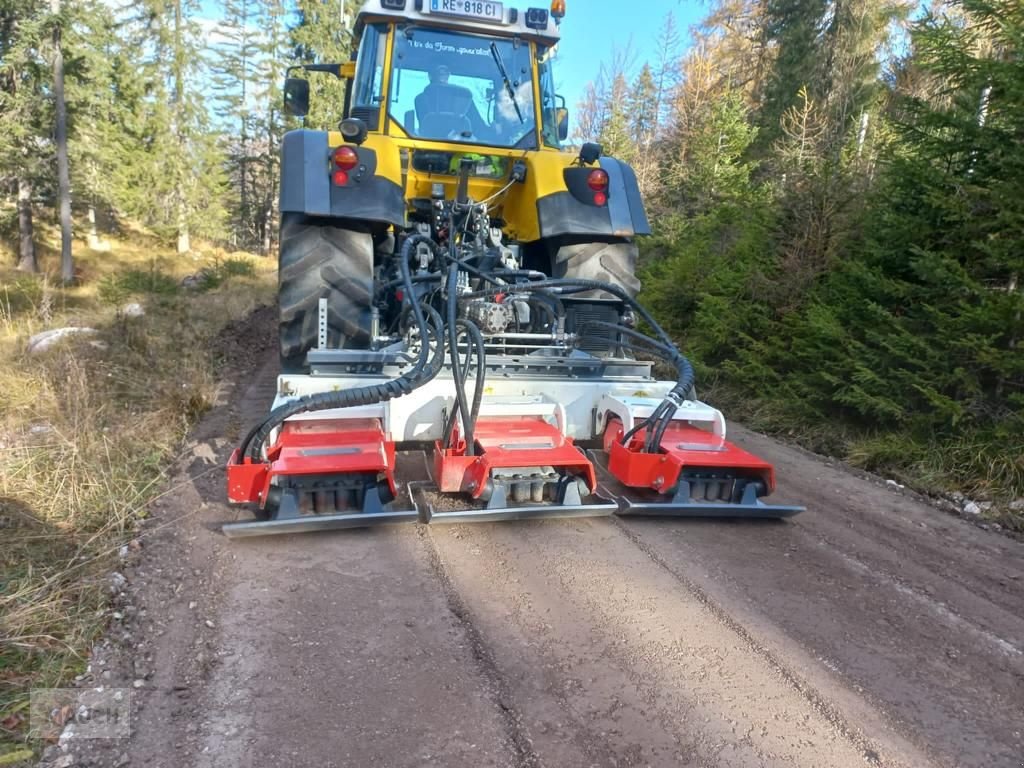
458, 87
548, 100
369, 93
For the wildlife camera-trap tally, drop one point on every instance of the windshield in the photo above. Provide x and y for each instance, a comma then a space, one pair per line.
457, 87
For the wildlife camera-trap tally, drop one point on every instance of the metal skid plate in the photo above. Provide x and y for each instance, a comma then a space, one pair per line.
311, 523
641, 502
418, 501
447, 508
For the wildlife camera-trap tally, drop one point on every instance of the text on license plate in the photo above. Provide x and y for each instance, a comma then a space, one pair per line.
474, 9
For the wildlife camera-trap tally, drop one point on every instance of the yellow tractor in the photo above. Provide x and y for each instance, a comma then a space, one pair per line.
458, 319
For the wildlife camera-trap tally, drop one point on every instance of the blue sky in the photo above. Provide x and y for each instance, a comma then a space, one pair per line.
593, 29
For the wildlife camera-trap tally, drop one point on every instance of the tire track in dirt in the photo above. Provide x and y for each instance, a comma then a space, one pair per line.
918, 613
524, 756
587, 628
870, 631
826, 708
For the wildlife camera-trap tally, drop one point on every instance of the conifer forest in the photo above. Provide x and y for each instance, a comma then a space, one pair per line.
836, 187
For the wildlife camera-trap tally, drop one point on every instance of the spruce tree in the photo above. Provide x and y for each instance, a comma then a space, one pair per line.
793, 28
642, 115
234, 69
24, 113
323, 35
272, 122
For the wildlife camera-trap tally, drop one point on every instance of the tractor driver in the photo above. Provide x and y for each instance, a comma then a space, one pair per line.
445, 110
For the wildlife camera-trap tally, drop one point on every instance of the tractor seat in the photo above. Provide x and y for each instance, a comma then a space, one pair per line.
443, 98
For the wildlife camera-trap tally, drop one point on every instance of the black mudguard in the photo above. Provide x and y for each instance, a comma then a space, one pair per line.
306, 183
573, 212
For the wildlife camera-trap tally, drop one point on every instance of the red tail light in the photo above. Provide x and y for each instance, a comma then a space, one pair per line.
597, 180
600, 198
346, 158
340, 178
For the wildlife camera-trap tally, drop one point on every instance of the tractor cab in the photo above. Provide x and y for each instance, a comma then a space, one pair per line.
451, 72
457, 72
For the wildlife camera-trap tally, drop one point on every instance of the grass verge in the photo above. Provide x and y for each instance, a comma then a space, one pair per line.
979, 467
88, 430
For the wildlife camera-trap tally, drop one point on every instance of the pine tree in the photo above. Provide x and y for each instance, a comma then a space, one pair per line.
794, 29
733, 37
24, 113
323, 35
171, 174
60, 137
235, 66
642, 110
98, 104
666, 72
273, 122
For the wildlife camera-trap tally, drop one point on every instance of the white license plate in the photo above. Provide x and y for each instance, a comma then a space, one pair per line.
484, 10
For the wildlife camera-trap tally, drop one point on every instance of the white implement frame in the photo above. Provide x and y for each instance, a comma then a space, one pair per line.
580, 407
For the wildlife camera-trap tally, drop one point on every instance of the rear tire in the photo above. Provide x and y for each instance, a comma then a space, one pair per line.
613, 263
607, 262
321, 260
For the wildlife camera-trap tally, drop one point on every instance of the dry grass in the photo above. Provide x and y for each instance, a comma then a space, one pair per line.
87, 431
984, 467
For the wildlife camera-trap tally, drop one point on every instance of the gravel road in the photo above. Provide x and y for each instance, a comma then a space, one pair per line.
871, 630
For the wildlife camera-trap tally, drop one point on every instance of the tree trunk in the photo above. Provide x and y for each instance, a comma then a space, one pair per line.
26, 246
184, 242
93, 238
268, 220
67, 270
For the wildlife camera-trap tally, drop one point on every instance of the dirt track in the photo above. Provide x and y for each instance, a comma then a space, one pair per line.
871, 630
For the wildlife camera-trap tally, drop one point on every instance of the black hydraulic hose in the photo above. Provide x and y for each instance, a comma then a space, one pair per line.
478, 383
557, 305
666, 353
437, 361
625, 345
433, 277
655, 437
659, 420
547, 311
662, 413
655, 414
453, 351
684, 368
587, 285
437, 277
367, 395
478, 272
531, 274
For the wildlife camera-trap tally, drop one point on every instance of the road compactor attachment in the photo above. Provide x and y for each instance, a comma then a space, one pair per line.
460, 338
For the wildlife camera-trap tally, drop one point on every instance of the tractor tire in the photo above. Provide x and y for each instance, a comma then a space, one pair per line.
613, 263
321, 261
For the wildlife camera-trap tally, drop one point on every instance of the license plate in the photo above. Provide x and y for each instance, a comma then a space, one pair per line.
482, 10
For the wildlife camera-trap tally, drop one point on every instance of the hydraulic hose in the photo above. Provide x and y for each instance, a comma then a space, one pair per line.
657, 423
478, 383
367, 395
453, 351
